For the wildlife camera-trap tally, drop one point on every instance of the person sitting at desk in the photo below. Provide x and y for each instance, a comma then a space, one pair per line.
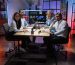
59, 33
25, 42
49, 18
24, 22
16, 26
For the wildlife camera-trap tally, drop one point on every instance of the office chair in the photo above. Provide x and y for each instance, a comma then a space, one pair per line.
8, 37
59, 46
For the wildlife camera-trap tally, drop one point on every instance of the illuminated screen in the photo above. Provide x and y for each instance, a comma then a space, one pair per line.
37, 16
41, 18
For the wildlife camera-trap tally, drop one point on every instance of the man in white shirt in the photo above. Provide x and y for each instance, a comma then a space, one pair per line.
25, 40
24, 21
59, 28
58, 34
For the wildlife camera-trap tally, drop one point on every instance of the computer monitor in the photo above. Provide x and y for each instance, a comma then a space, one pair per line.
37, 16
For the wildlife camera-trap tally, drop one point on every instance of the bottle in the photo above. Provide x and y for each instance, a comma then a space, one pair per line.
32, 32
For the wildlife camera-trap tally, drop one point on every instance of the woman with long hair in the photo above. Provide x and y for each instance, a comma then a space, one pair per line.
16, 26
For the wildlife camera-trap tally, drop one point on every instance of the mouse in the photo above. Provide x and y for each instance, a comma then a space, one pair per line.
39, 31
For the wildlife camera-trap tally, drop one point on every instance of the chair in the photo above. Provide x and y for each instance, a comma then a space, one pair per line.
10, 37
6, 27
60, 47
7, 36
7, 33
67, 38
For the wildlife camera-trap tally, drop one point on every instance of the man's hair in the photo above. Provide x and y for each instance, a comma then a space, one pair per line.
59, 14
20, 10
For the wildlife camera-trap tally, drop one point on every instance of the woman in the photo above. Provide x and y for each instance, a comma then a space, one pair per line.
16, 26
49, 18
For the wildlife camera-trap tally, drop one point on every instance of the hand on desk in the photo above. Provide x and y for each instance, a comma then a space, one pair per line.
25, 30
51, 33
21, 30
43, 31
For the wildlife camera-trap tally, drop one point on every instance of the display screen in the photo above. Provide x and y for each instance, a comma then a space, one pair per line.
33, 13
40, 18
36, 16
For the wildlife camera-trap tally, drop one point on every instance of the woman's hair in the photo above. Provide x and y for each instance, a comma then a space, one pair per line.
18, 23
15, 15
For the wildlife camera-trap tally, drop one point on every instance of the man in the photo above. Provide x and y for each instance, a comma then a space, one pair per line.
60, 27
25, 40
58, 34
24, 22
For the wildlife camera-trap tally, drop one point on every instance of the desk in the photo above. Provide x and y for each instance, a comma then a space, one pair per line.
42, 32
45, 32
37, 32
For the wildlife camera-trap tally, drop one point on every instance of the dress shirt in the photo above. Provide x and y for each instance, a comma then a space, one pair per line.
24, 22
60, 28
